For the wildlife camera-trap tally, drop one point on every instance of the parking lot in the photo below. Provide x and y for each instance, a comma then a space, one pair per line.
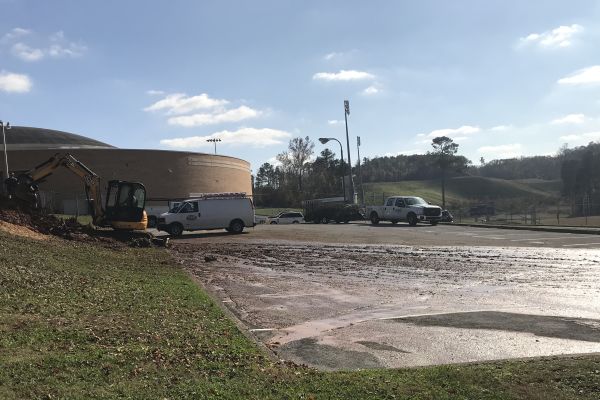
361, 296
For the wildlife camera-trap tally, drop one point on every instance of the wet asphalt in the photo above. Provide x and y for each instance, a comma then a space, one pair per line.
446, 295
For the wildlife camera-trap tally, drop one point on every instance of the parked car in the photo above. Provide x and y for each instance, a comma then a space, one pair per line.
405, 208
230, 211
287, 217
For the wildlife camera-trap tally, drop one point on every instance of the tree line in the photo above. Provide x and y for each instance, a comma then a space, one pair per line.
300, 175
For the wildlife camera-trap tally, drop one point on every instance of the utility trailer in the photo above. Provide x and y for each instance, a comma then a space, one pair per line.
325, 210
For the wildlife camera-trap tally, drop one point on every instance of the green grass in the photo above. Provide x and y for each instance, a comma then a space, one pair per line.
465, 189
79, 321
82, 219
268, 212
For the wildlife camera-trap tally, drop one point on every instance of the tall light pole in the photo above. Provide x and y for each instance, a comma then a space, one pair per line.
5, 177
346, 113
214, 140
325, 140
362, 188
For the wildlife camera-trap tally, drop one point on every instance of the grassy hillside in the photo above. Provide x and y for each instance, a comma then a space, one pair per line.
465, 189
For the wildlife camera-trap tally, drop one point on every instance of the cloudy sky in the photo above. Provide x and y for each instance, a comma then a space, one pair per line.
503, 78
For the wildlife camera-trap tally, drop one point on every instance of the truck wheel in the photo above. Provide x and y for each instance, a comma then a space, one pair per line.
176, 229
236, 226
374, 218
412, 219
273, 222
324, 220
394, 221
296, 222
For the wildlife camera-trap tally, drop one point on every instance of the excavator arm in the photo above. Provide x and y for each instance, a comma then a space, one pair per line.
24, 186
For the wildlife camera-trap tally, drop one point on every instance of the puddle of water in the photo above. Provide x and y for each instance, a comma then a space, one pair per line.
583, 329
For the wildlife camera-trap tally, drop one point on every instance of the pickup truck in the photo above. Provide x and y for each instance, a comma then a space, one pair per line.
404, 208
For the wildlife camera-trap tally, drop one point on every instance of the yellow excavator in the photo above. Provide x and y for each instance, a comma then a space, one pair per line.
125, 201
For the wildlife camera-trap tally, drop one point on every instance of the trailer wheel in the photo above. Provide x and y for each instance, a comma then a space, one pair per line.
324, 220
374, 218
394, 221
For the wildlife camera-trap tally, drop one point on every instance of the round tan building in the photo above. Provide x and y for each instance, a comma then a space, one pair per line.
166, 174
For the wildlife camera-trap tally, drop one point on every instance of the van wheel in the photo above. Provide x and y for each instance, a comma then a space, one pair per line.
273, 222
374, 218
412, 219
236, 226
176, 229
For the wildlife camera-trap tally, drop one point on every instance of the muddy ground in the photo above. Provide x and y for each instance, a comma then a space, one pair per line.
339, 306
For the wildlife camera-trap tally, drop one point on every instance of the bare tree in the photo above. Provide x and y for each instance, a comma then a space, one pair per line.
295, 160
444, 149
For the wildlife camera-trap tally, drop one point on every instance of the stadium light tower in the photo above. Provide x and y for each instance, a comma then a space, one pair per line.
214, 140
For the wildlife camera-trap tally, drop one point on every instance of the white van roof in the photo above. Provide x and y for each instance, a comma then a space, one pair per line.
225, 195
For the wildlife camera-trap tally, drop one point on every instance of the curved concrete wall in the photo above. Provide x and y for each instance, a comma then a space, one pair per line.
166, 174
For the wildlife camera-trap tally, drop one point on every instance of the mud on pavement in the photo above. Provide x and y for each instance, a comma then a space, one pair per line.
366, 306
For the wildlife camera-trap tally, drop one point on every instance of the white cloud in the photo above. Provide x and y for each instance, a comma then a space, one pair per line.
14, 34
335, 122
569, 119
180, 103
560, 37
72, 50
371, 90
233, 115
252, 137
57, 46
343, 75
153, 92
14, 83
584, 137
27, 53
500, 128
585, 76
501, 151
454, 132
332, 55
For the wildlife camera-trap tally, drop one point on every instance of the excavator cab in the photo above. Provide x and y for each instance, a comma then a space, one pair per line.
125, 202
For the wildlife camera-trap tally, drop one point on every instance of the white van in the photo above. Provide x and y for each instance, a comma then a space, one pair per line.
230, 211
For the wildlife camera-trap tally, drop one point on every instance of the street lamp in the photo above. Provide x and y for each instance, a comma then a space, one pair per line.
214, 140
362, 188
325, 140
7, 126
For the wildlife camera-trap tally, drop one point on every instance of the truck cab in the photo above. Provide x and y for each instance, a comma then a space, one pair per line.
411, 209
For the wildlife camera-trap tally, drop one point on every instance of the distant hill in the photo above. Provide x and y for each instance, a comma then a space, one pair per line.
467, 189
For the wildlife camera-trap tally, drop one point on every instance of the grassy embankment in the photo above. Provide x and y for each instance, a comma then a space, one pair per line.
80, 321
467, 189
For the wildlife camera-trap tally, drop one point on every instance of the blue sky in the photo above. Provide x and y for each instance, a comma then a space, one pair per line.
503, 78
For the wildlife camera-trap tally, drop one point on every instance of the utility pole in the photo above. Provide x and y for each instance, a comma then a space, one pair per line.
346, 113
360, 177
5, 177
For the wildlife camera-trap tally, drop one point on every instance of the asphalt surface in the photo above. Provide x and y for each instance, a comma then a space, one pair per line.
358, 296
